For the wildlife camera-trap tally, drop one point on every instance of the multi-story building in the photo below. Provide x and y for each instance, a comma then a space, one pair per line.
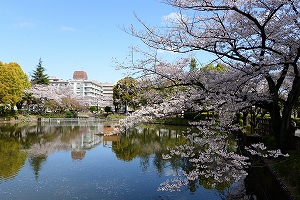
96, 93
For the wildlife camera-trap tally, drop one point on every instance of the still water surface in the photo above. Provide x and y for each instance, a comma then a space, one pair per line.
73, 161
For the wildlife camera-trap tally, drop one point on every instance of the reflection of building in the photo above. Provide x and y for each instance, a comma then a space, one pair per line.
87, 140
85, 88
78, 155
108, 140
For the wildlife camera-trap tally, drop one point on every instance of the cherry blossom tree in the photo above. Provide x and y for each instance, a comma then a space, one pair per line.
257, 40
61, 98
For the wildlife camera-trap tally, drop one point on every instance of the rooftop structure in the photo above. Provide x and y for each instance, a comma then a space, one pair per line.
80, 75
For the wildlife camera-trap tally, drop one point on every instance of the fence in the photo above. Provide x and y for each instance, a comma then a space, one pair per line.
264, 127
70, 121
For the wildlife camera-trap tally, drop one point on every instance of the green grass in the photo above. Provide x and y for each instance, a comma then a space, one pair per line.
115, 116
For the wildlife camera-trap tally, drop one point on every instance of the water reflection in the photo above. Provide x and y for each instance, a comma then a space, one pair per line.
12, 158
131, 164
37, 141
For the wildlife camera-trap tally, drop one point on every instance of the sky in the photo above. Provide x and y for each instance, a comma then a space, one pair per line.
70, 35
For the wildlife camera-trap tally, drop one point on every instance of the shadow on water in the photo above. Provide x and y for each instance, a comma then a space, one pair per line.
260, 183
264, 185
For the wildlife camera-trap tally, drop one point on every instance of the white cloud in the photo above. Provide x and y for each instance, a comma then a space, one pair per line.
165, 51
174, 17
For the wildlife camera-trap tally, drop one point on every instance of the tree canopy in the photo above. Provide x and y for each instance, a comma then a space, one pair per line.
124, 93
258, 42
39, 76
13, 81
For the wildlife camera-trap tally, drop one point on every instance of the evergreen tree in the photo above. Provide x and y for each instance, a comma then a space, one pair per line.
39, 76
193, 64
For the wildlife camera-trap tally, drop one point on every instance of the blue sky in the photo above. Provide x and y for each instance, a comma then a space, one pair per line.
71, 35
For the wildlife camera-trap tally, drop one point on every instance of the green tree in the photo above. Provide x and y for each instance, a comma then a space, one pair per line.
210, 67
124, 93
39, 76
27, 100
93, 108
13, 82
193, 64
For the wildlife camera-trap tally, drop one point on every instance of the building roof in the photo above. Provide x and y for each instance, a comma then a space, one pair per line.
80, 75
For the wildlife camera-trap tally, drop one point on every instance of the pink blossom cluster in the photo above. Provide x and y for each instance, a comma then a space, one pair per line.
261, 150
63, 96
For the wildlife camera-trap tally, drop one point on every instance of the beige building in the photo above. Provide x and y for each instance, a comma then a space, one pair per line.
95, 92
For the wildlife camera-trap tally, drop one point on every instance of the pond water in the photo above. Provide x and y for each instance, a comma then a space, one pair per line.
73, 161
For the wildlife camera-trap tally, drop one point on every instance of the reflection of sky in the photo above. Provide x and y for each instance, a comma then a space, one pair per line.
170, 172
99, 174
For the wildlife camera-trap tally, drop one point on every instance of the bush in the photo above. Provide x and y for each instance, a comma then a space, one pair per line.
93, 108
70, 114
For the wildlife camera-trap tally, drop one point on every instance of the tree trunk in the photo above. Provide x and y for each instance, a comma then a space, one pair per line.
281, 121
275, 122
245, 121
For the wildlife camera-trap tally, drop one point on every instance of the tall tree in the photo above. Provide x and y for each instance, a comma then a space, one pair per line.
13, 81
39, 76
124, 93
258, 40
193, 64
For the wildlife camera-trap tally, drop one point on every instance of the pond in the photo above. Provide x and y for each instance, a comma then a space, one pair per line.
65, 160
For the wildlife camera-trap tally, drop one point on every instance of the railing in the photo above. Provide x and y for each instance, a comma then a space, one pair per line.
71, 119
68, 121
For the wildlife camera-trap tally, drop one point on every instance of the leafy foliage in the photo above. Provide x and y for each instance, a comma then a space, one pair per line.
13, 81
124, 93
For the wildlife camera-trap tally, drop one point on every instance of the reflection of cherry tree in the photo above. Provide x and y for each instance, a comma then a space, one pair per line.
48, 147
209, 158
